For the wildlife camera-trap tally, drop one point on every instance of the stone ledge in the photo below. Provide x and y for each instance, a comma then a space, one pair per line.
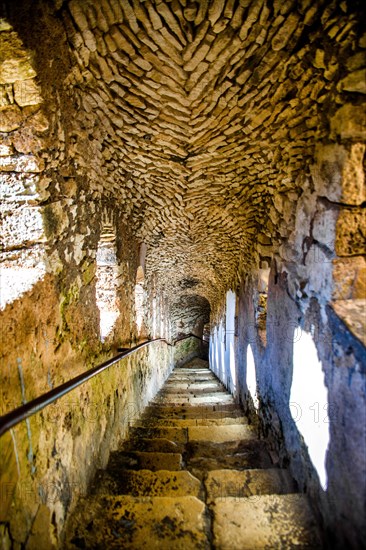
353, 315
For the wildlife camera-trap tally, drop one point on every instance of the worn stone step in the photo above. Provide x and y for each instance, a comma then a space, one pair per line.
186, 422
211, 397
192, 384
251, 455
192, 369
191, 373
127, 522
220, 434
160, 445
186, 381
194, 379
210, 449
142, 460
161, 483
265, 521
236, 483
178, 435
189, 411
189, 391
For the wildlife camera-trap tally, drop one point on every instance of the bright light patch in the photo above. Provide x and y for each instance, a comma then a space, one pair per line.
230, 369
309, 402
15, 281
251, 377
214, 352
22, 255
139, 297
107, 283
107, 321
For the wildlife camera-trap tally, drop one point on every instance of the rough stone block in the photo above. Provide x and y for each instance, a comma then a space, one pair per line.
11, 118
267, 521
235, 483
354, 82
160, 523
162, 483
351, 232
339, 175
178, 435
349, 278
349, 122
352, 313
220, 434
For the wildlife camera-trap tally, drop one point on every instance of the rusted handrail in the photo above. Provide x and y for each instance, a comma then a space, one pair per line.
14, 417
190, 335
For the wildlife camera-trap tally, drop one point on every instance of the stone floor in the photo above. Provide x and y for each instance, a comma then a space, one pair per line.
193, 475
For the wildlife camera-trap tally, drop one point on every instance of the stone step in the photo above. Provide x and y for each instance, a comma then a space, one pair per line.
186, 422
250, 455
159, 445
127, 522
210, 449
213, 434
189, 391
264, 521
189, 411
143, 460
228, 496
192, 375
245, 483
191, 371
200, 384
221, 434
162, 483
178, 435
198, 379
211, 398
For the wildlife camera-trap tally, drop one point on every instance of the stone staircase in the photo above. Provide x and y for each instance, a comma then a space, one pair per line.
193, 475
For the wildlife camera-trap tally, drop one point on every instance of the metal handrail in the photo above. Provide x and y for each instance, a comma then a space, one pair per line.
9, 420
14, 417
190, 335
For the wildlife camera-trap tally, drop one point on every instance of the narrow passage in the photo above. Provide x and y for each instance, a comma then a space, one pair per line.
193, 475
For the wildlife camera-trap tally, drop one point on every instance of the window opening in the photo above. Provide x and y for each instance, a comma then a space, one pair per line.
107, 281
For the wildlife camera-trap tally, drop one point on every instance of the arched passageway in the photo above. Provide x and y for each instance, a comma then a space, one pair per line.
219, 148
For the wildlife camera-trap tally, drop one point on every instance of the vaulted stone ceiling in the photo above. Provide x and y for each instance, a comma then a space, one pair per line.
195, 116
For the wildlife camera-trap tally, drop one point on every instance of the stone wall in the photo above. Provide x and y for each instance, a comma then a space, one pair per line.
51, 458
342, 356
54, 220
310, 293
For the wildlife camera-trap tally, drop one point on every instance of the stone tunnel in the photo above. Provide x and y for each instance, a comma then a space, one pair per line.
183, 169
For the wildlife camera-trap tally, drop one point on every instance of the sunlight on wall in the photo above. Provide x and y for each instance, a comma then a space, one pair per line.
217, 352
309, 402
107, 282
251, 377
16, 277
22, 261
139, 297
221, 350
230, 370
213, 351
154, 318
